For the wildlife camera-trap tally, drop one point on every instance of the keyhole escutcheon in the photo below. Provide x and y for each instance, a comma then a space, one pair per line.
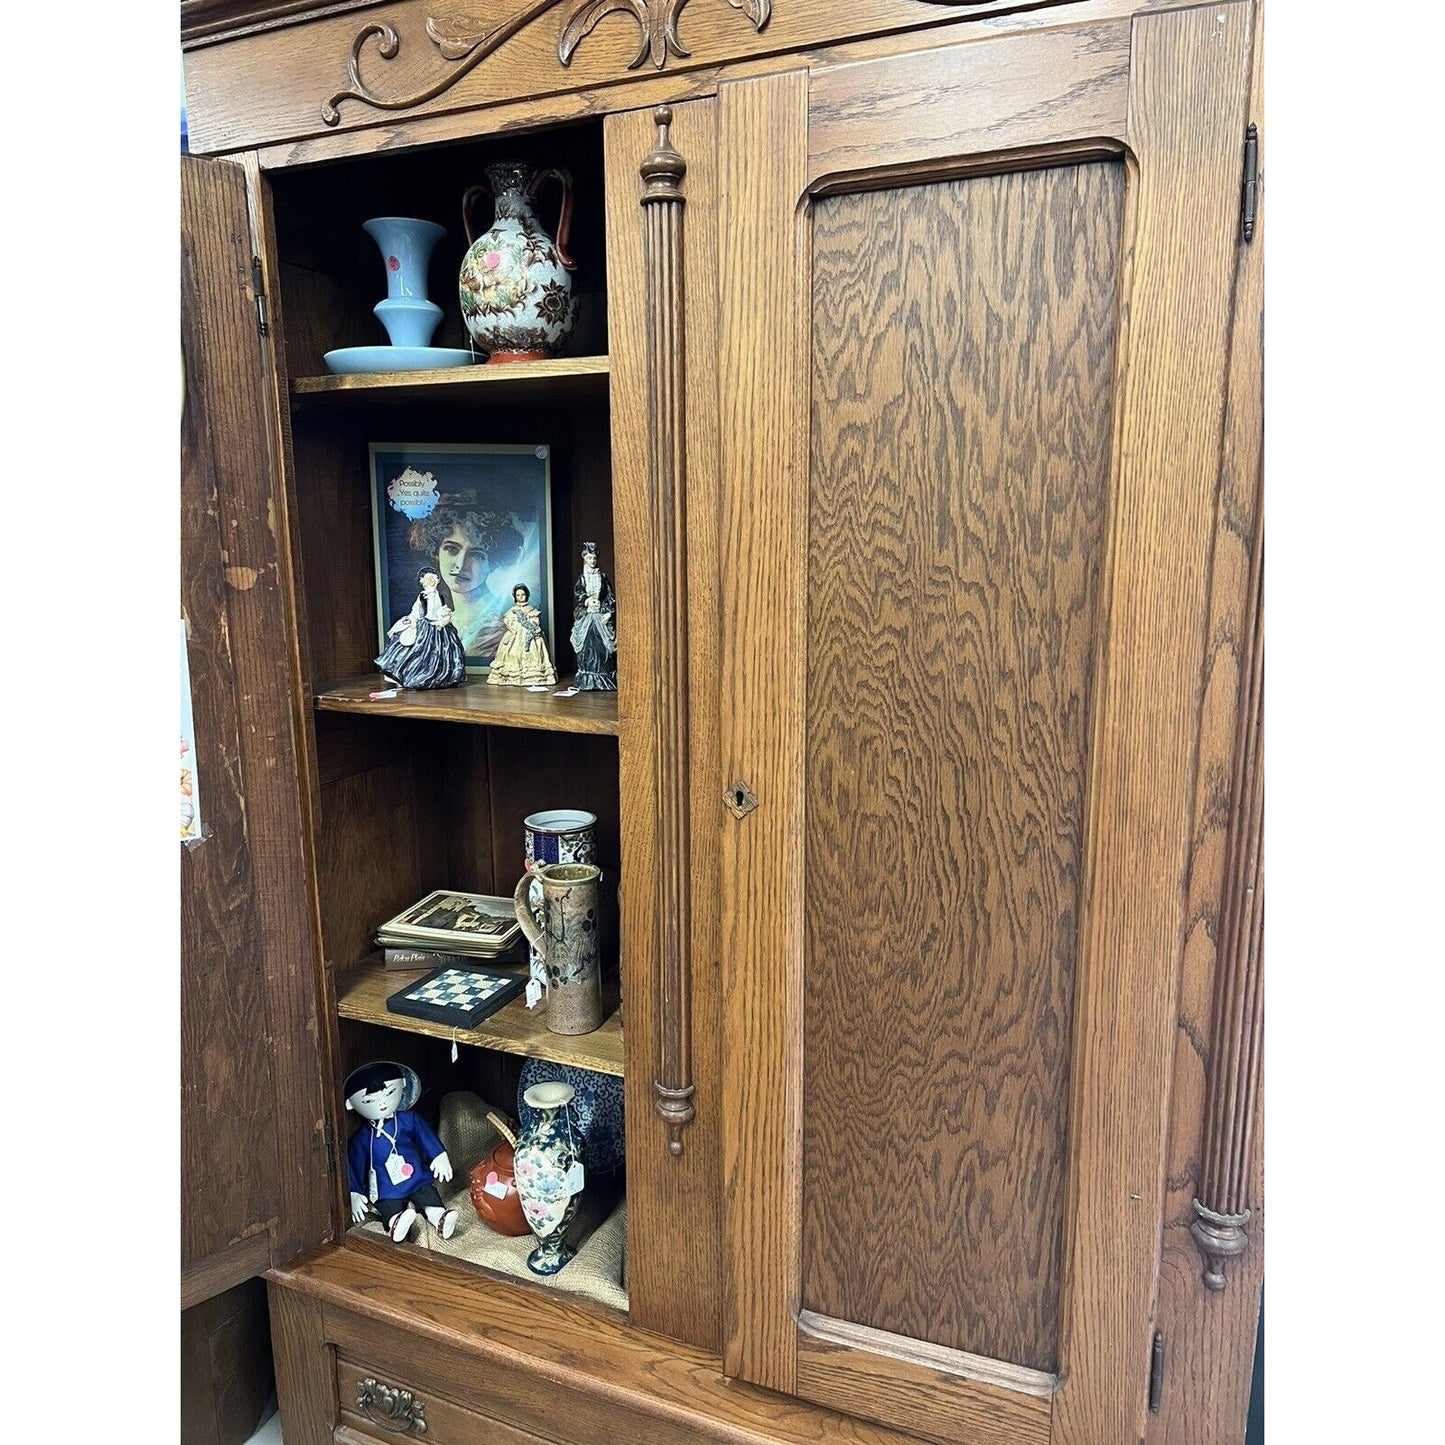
740, 799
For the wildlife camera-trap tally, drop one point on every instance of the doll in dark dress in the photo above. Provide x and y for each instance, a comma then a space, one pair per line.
594, 626
394, 1160
423, 649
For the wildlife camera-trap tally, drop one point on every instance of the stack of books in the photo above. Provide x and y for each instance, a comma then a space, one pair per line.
448, 927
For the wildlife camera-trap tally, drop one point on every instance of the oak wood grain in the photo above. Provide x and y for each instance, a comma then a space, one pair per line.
642, 89
763, 436
674, 1204
995, 94
223, 1269
263, 87
548, 1363
446, 1423
287, 522
477, 703
1211, 1338
1188, 85
382, 843
937, 1404
305, 1366
362, 992
249, 1001
954, 549
523, 383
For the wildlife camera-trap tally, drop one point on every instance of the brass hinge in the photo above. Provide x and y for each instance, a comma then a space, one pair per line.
1156, 1374
1250, 205
259, 291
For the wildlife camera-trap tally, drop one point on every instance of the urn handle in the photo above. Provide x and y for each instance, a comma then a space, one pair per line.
564, 218
523, 909
468, 201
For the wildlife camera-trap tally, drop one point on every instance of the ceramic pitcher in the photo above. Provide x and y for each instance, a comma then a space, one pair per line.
516, 283
567, 942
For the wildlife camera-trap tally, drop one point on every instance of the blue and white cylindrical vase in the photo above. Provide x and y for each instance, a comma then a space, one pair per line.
556, 835
406, 245
561, 835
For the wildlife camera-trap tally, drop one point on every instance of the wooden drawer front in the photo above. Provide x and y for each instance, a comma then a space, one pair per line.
376, 1406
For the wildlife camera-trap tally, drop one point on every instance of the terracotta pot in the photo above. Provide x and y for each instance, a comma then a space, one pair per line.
493, 1187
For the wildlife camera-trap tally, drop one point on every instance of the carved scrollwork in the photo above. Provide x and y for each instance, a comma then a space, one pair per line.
657, 22
468, 40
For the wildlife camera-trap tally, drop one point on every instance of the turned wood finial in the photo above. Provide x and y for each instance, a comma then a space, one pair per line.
663, 168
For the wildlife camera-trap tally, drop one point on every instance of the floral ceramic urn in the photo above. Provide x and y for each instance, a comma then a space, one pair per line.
547, 1164
516, 282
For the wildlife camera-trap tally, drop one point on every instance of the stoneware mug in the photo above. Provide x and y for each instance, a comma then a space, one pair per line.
567, 942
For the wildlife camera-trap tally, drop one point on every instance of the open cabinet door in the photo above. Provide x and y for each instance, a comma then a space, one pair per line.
254, 1171
974, 335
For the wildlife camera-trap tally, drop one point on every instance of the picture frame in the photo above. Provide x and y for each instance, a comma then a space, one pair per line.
448, 920
482, 514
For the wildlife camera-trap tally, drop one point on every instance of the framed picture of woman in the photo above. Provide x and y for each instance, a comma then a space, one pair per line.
483, 515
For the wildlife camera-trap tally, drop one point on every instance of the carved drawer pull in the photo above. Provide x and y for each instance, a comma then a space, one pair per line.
392, 1406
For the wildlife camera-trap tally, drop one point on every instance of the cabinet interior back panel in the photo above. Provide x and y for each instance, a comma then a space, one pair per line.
963, 338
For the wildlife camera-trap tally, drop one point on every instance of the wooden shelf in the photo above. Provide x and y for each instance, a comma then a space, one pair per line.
520, 383
362, 992
478, 702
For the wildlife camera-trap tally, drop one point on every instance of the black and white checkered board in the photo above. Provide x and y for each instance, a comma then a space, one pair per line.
460, 997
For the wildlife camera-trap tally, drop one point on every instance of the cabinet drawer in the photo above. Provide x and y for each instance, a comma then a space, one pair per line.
375, 1406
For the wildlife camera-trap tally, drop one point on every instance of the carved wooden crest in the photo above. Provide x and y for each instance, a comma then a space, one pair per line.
466, 41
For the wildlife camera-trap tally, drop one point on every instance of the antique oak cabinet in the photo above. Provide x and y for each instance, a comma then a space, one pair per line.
916, 409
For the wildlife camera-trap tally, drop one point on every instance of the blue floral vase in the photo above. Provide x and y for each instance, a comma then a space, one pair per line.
596, 1110
546, 1156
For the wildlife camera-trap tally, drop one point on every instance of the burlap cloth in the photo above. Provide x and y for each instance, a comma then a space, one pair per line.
598, 1231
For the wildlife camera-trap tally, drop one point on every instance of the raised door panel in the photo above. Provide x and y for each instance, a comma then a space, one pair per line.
973, 333
955, 536
253, 1154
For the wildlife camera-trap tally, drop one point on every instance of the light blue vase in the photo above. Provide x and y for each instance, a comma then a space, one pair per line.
406, 245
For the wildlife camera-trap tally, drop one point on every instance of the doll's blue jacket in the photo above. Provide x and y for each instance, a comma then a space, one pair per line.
415, 1142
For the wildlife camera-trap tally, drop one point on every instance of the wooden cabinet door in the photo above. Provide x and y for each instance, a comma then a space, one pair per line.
974, 317
255, 1187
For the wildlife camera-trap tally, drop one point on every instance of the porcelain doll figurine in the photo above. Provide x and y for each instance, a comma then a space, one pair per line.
423, 649
522, 658
394, 1159
594, 626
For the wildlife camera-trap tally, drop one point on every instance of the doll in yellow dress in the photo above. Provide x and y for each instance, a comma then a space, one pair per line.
522, 658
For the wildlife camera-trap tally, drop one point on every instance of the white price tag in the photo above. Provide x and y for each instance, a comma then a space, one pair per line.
534, 993
496, 1189
573, 1182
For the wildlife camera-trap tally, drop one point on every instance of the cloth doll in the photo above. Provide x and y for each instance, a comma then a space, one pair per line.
394, 1159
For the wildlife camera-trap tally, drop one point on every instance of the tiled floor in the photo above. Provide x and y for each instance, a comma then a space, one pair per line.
270, 1431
